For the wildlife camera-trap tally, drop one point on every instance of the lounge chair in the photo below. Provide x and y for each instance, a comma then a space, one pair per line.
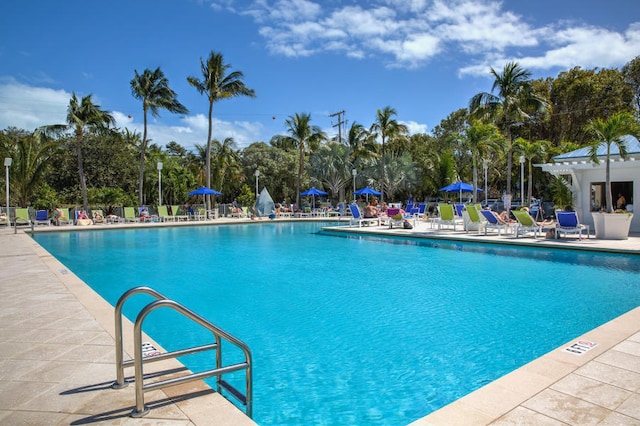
526, 223
471, 219
98, 216
22, 217
163, 214
459, 209
569, 223
447, 217
175, 210
42, 218
492, 222
358, 219
65, 218
395, 218
130, 215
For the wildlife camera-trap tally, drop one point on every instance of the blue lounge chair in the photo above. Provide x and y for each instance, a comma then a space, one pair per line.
459, 209
42, 218
492, 222
358, 219
569, 223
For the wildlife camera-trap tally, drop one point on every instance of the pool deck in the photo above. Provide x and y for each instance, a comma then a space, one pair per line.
57, 360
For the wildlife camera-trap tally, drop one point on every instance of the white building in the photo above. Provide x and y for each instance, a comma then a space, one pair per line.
587, 179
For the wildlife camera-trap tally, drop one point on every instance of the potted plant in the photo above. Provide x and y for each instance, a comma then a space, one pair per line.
607, 133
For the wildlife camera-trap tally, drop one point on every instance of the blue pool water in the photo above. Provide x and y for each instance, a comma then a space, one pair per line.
359, 330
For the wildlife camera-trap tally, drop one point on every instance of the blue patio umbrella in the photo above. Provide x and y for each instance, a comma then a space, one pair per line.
312, 192
203, 190
367, 191
459, 187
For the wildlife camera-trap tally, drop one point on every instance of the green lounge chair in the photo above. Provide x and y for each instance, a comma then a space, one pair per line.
526, 224
175, 210
97, 216
164, 215
447, 216
471, 218
130, 215
22, 217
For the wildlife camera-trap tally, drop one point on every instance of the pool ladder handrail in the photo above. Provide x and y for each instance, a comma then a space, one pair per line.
138, 361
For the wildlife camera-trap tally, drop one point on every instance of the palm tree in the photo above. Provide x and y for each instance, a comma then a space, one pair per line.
531, 151
480, 139
331, 166
85, 116
152, 88
32, 154
304, 136
514, 101
386, 127
608, 132
217, 85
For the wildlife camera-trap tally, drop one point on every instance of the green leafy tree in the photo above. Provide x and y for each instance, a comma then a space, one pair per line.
514, 101
331, 167
32, 153
631, 74
481, 139
83, 116
386, 127
218, 84
152, 88
305, 137
609, 132
531, 151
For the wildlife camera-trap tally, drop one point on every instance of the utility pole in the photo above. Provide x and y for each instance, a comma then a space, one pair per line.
339, 125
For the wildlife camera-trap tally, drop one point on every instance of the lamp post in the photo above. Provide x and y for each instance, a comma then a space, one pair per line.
7, 164
485, 166
521, 180
159, 183
257, 175
354, 172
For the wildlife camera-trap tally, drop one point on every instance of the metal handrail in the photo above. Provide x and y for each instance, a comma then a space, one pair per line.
138, 360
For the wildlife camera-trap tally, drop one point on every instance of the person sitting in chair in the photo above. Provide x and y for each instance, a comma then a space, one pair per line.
371, 210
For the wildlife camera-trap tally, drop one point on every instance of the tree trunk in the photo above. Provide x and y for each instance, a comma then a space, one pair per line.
83, 181
382, 174
208, 159
143, 148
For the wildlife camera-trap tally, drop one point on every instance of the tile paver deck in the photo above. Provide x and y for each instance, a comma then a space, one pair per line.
57, 358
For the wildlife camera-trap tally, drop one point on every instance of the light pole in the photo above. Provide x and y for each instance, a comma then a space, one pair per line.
522, 181
485, 166
159, 183
7, 164
257, 175
354, 172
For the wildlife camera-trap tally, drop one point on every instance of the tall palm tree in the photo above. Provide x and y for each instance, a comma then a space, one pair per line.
305, 137
152, 88
611, 131
386, 127
531, 151
217, 85
84, 116
480, 139
512, 104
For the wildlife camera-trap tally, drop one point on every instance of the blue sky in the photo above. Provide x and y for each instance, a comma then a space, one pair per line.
425, 58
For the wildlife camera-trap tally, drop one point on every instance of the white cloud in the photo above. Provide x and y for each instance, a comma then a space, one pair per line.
408, 33
415, 127
28, 107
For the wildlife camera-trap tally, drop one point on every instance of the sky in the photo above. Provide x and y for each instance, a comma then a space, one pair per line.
424, 58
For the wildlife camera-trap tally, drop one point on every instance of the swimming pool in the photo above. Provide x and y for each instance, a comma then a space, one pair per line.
362, 330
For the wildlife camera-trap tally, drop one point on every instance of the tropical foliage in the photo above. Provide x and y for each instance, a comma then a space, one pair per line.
88, 162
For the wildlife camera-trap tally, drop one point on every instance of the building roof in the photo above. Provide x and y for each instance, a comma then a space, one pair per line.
633, 148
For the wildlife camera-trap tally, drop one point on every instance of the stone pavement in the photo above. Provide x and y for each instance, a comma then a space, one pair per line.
57, 357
